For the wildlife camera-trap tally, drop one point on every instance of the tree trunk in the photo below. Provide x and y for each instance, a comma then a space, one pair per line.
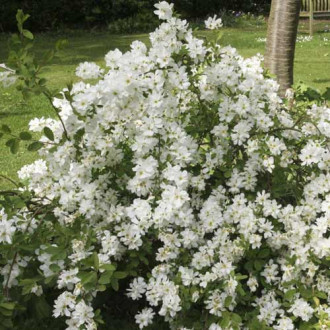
281, 40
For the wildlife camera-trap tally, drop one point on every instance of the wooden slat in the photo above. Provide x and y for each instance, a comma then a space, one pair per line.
318, 5
322, 14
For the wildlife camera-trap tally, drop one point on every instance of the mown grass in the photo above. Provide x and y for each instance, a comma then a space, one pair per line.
312, 65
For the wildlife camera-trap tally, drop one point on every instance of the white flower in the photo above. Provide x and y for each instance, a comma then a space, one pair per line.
165, 162
215, 302
137, 288
88, 70
268, 163
302, 309
64, 304
10, 274
82, 313
312, 153
7, 229
252, 283
164, 10
37, 290
284, 323
187, 275
269, 308
144, 318
112, 58
270, 272
275, 145
68, 278
213, 23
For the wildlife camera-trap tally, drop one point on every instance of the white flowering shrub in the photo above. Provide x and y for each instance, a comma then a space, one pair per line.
181, 179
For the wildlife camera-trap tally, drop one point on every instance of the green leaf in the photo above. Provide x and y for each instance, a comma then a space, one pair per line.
42, 82
27, 281
290, 294
264, 253
105, 278
321, 295
7, 305
60, 44
326, 94
239, 277
55, 268
96, 261
27, 34
56, 252
255, 324
114, 284
25, 136
144, 260
306, 293
17, 202
21, 17
52, 249
27, 289
249, 266
225, 320
240, 290
88, 278
96, 10
120, 275
228, 301
7, 323
43, 309
35, 146
6, 312
51, 278
258, 264
227, 174
236, 318
108, 267
101, 288
49, 133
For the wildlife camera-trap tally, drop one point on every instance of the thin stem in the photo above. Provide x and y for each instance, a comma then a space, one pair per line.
59, 117
9, 192
284, 129
9, 179
6, 287
327, 140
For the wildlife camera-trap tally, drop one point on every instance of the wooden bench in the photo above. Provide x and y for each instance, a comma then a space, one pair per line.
314, 9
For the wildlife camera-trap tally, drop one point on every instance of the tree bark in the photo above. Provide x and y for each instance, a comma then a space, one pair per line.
281, 40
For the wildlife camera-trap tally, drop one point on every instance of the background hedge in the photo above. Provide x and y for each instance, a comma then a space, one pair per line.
57, 14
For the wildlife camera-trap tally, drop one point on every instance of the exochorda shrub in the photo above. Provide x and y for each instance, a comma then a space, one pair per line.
181, 170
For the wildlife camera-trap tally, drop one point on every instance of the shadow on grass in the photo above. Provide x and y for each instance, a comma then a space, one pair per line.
88, 47
5, 114
321, 81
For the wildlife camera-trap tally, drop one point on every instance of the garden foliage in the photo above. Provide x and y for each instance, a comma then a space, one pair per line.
61, 14
177, 177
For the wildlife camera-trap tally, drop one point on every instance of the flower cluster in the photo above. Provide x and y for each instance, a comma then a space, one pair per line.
213, 23
183, 154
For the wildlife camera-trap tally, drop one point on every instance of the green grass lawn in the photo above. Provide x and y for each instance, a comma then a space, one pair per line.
312, 65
